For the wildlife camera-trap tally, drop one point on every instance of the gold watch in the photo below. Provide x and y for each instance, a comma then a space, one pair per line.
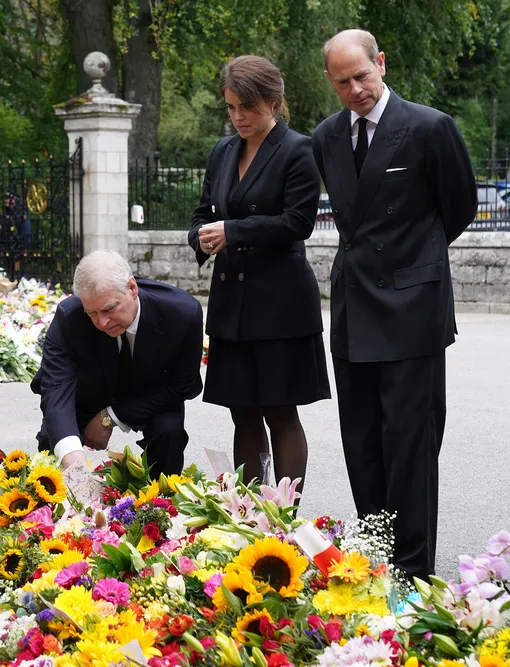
106, 420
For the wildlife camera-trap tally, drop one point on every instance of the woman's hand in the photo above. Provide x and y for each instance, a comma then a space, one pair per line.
212, 237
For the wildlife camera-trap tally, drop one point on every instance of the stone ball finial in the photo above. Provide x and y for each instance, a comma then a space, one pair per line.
96, 65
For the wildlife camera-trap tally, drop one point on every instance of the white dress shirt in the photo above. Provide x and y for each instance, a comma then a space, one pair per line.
373, 117
72, 443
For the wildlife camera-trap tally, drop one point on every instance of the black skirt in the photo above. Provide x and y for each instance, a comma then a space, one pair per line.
289, 371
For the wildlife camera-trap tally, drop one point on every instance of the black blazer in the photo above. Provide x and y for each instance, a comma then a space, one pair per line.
79, 369
391, 293
262, 285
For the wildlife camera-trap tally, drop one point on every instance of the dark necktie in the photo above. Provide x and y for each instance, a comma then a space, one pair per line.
125, 362
362, 145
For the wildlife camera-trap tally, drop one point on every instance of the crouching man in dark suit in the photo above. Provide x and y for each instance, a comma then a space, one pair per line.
402, 189
119, 353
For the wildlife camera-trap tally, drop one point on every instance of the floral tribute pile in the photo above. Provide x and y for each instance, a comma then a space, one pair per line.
186, 570
25, 315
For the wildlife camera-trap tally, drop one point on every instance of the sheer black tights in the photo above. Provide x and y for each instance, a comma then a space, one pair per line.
288, 441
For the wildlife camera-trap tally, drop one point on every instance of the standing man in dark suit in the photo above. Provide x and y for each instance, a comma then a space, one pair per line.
402, 189
120, 352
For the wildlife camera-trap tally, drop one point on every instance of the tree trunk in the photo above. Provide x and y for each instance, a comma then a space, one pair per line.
90, 28
142, 85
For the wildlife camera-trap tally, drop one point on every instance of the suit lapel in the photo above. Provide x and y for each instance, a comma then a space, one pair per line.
266, 151
149, 338
228, 170
339, 144
388, 136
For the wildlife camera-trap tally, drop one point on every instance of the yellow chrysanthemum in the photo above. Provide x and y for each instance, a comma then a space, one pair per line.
12, 564
63, 630
16, 460
352, 567
93, 653
63, 660
204, 574
54, 546
452, 663
179, 479
77, 602
363, 630
250, 623
341, 600
62, 560
242, 585
150, 492
46, 580
17, 503
48, 483
129, 628
40, 302
9, 482
279, 564
495, 650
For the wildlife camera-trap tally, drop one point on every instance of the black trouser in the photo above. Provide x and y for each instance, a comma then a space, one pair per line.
164, 438
392, 417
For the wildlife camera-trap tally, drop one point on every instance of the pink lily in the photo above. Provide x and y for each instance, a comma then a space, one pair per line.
285, 493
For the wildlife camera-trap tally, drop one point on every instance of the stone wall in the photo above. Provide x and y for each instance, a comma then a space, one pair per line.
480, 263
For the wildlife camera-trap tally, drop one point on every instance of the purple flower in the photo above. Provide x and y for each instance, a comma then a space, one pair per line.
123, 511
70, 575
498, 543
45, 615
112, 590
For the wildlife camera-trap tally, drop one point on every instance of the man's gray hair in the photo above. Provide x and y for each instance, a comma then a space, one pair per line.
363, 38
101, 270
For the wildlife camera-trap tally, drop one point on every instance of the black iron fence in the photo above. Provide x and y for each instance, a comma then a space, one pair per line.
169, 196
41, 222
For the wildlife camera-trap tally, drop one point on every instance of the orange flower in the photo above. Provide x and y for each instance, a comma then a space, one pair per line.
352, 568
51, 644
180, 624
380, 570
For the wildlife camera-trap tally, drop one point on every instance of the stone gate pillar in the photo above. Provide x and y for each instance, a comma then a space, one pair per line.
103, 122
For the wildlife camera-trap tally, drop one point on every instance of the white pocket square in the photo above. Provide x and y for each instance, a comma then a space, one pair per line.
397, 169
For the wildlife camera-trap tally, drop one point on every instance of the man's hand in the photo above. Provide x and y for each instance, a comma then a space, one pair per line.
95, 435
72, 457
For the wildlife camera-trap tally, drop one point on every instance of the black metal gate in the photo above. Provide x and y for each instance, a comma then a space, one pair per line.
41, 221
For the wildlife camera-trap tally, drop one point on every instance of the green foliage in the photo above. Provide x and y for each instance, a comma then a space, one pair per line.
474, 125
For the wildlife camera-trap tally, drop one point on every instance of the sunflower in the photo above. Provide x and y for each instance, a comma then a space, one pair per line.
9, 482
12, 564
53, 547
250, 623
241, 584
16, 460
17, 503
61, 561
48, 483
279, 564
5, 521
352, 568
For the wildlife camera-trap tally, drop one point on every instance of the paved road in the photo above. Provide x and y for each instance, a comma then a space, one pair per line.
475, 459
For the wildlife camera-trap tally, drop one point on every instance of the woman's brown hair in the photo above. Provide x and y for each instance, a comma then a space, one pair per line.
254, 80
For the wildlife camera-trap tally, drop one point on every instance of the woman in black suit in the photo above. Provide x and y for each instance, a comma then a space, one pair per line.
259, 201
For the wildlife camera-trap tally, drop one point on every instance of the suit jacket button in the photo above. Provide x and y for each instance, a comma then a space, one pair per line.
253, 208
389, 210
347, 246
239, 249
380, 283
379, 246
222, 276
241, 277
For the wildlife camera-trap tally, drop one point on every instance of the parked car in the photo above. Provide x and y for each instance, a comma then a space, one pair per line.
491, 205
325, 216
